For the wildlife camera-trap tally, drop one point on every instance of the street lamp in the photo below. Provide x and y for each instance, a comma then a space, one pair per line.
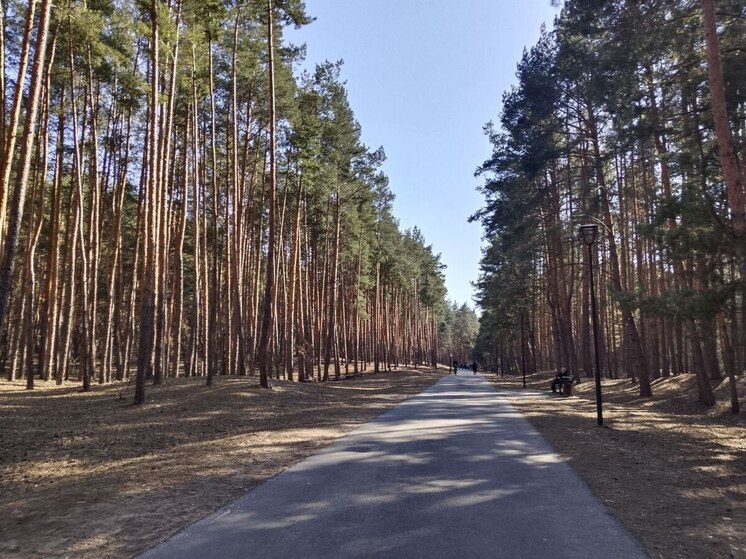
523, 350
588, 235
502, 355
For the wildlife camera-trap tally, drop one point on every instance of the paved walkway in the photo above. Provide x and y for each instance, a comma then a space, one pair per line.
454, 472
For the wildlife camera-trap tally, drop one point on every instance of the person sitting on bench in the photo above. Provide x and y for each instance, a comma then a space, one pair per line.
562, 377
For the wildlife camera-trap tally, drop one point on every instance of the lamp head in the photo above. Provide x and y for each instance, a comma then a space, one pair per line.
588, 233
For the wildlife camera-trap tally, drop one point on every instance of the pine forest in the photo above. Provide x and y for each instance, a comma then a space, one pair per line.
177, 200
233, 326
630, 116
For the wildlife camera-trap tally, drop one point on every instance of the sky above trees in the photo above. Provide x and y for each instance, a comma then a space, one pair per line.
417, 80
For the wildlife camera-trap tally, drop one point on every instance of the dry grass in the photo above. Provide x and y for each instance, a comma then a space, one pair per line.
90, 475
671, 471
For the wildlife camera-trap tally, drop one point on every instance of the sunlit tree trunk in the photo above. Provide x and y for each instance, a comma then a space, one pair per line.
15, 216
10, 137
49, 330
149, 271
265, 358
332, 290
729, 159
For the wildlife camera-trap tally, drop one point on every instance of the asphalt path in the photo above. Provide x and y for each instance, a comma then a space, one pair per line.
454, 472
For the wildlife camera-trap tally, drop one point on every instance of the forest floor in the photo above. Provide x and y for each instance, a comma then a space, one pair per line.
90, 475
672, 471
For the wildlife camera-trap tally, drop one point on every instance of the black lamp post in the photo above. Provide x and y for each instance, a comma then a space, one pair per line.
502, 356
588, 235
523, 350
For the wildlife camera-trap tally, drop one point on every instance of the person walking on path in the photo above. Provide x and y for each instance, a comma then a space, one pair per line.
474, 367
455, 367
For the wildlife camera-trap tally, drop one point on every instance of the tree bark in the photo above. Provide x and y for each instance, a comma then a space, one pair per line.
15, 217
729, 161
265, 358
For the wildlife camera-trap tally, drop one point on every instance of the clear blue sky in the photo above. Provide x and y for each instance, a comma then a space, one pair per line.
423, 77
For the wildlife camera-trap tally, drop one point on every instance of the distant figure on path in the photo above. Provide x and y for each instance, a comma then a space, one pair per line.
455, 367
474, 367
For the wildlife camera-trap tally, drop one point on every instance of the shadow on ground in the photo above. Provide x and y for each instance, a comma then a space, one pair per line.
674, 475
451, 473
90, 475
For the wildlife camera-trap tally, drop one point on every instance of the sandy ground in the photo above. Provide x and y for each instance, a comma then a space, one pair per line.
671, 471
90, 475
